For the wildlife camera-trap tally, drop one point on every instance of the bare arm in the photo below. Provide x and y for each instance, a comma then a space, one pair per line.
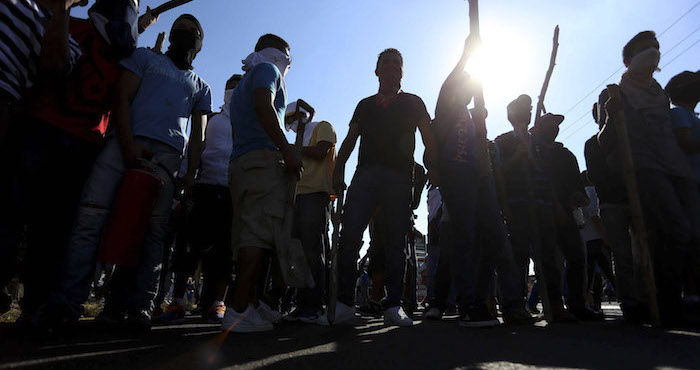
263, 102
318, 151
127, 87
54, 58
343, 155
431, 152
199, 120
688, 143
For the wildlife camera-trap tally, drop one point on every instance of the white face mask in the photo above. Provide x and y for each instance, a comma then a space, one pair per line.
275, 56
645, 62
227, 97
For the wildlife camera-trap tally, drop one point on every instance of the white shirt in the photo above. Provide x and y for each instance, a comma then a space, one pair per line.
218, 145
589, 231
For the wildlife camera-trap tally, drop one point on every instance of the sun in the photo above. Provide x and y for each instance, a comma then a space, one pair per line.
504, 62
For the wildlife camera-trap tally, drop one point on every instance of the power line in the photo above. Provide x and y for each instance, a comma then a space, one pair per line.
662, 67
579, 129
683, 52
618, 70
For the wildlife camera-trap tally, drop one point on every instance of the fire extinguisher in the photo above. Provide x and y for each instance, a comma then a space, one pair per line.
122, 241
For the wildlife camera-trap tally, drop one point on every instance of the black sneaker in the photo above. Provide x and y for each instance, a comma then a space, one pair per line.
518, 316
478, 317
139, 320
585, 314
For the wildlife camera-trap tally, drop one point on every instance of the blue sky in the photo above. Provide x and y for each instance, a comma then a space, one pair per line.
334, 46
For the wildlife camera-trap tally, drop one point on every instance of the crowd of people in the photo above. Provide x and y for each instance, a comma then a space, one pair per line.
113, 159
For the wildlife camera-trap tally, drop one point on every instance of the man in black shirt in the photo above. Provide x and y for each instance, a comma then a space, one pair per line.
386, 123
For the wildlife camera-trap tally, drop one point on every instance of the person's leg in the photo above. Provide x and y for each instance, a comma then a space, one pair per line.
52, 154
312, 216
150, 264
433, 257
362, 201
218, 262
663, 210
459, 192
550, 263
394, 217
616, 220
571, 245
520, 239
498, 247
96, 202
443, 277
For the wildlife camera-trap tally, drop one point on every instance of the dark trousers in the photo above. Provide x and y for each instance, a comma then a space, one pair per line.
375, 188
207, 237
574, 251
311, 215
523, 239
597, 256
48, 168
672, 208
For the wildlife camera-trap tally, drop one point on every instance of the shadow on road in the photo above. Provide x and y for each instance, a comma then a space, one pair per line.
368, 344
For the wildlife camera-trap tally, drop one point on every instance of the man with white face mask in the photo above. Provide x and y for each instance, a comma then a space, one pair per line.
261, 162
665, 179
311, 213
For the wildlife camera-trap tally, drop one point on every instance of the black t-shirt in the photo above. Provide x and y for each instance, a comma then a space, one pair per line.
388, 134
609, 184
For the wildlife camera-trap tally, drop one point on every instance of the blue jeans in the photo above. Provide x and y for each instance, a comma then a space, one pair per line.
96, 202
375, 189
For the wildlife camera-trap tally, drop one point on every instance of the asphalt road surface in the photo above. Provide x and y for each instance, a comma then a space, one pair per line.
369, 344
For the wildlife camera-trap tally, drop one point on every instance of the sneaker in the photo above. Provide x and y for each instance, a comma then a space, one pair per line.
518, 316
371, 308
532, 309
478, 317
433, 314
301, 314
248, 321
344, 314
267, 313
216, 313
560, 314
172, 313
110, 317
395, 316
139, 320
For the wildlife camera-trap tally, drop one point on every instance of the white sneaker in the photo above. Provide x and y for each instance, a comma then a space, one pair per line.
267, 313
344, 314
433, 314
395, 316
248, 321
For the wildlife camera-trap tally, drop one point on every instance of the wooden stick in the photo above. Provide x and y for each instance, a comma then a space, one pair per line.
158, 48
167, 6
630, 178
548, 76
337, 218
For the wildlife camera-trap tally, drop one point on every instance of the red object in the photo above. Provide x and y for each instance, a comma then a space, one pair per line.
122, 242
82, 107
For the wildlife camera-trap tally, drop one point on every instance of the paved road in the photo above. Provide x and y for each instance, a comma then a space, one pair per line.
367, 345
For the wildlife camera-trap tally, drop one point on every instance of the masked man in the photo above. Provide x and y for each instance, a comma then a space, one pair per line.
667, 188
386, 124
155, 96
259, 185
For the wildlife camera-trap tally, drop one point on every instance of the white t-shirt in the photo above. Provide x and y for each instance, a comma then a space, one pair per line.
589, 231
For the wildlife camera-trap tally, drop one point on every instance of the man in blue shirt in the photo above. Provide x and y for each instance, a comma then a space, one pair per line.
156, 95
684, 91
260, 162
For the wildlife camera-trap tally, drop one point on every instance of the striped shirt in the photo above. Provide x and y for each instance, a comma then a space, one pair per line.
21, 34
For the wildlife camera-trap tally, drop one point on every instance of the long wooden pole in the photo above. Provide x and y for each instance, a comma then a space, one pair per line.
630, 178
548, 76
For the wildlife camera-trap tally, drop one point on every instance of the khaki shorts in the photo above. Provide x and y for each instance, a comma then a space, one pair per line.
259, 191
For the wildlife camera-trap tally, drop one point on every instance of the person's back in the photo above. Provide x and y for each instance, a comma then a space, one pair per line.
250, 135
